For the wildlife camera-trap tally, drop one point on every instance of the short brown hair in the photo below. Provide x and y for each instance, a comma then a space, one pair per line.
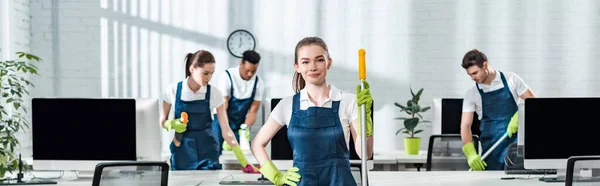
474, 57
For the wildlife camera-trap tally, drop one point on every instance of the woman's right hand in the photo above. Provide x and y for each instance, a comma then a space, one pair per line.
291, 176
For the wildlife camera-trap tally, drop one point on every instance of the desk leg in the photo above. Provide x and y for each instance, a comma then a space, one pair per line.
418, 165
401, 167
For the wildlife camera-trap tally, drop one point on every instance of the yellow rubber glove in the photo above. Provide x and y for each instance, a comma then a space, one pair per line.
513, 125
246, 167
226, 146
474, 160
291, 176
175, 124
363, 97
244, 134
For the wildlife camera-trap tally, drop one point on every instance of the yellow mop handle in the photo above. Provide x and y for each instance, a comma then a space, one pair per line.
362, 74
362, 65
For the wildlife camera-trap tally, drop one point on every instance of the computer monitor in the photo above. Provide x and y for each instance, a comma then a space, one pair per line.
558, 128
282, 150
78, 133
447, 116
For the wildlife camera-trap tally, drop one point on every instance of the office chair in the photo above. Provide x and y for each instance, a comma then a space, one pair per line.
145, 173
445, 153
574, 175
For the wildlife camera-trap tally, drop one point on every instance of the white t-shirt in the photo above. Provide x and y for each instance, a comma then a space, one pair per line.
242, 89
216, 97
516, 85
282, 113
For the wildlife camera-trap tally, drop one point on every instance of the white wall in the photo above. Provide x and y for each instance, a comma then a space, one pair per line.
117, 48
15, 36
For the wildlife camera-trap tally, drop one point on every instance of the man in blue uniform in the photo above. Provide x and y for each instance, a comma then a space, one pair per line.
243, 92
494, 97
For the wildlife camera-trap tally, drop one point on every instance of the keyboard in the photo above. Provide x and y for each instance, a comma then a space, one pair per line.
530, 171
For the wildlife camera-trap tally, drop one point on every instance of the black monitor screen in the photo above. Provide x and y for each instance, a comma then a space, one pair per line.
83, 129
280, 145
452, 114
557, 128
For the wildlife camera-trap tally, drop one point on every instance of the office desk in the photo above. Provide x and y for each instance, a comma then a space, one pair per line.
378, 178
405, 161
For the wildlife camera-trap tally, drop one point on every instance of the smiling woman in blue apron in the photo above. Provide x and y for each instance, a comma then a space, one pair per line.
494, 97
195, 146
319, 118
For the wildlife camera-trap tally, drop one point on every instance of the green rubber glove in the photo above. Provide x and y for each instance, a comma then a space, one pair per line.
291, 176
363, 97
175, 124
226, 146
513, 125
474, 160
245, 134
240, 155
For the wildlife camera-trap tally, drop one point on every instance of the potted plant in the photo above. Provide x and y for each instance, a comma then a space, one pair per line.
14, 75
413, 109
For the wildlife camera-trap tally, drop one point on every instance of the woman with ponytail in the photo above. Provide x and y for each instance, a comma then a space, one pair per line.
319, 118
195, 146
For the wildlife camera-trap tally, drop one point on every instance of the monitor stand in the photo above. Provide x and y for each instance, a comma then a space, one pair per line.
560, 176
260, 181
84, 175
562, 173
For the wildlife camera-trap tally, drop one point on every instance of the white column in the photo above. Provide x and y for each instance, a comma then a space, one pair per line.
5, 11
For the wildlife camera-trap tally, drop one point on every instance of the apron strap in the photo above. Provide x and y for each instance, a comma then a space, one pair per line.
295, 107
230, 83
506, 86
254, 88
177, 98
207, 96
479, 89
503, 79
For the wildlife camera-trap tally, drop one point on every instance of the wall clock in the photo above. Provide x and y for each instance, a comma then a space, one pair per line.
239, 41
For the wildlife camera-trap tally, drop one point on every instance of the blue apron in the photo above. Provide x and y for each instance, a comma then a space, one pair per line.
237, 109
498, 107
199, 147
319, 147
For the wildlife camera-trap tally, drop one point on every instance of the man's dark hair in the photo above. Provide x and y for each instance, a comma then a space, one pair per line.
474, 57
251, 56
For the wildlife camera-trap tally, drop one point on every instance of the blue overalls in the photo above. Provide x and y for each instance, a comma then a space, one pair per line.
237, 109
318, 144
199, 147
498, 107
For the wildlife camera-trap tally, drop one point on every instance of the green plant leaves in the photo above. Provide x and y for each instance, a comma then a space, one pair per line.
413, 109
401, 106
403, 130
411, 123
14, 80
417, 97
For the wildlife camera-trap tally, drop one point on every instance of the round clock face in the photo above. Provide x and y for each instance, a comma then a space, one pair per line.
239, 41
